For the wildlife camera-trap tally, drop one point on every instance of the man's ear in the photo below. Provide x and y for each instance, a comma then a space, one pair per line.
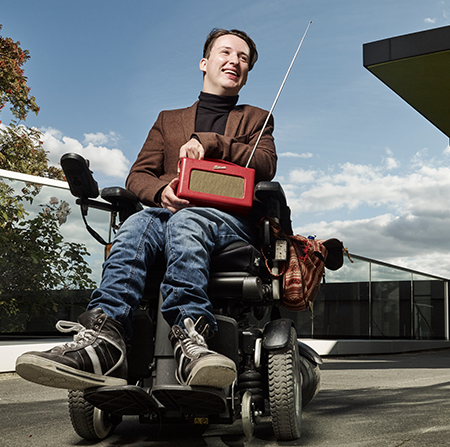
203, 64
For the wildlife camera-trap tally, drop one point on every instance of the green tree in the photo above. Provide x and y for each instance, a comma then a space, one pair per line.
21, 148
13, 83
36, 261
34, 258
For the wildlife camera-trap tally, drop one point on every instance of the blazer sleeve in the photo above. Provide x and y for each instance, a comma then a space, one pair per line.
146, 176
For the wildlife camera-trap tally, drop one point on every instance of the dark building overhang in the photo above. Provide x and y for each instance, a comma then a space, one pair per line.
417, 68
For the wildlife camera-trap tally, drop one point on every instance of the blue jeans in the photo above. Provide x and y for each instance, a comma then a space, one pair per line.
185, 241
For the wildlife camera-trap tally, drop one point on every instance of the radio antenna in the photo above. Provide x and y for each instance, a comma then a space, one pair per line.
278, 95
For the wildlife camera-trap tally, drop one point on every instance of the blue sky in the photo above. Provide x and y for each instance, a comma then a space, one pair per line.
356, 161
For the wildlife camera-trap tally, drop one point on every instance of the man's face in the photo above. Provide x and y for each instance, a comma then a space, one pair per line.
226, 69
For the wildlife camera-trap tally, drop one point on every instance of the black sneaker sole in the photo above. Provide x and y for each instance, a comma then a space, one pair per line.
56, 375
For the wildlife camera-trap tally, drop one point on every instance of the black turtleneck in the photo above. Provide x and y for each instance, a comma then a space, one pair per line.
213, 111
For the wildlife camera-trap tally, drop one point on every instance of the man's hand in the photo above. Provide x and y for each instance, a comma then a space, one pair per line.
192, 149
170, 201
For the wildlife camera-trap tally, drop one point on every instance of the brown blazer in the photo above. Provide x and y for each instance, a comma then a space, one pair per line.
156, 164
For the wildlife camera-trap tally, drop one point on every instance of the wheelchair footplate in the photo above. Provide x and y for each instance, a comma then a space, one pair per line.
191, 400
121, 400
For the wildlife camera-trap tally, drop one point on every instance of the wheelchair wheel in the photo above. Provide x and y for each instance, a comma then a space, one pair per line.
285, 390
89, 422
310, 380
247, 411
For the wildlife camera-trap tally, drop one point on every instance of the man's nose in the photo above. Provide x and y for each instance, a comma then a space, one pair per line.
233, 58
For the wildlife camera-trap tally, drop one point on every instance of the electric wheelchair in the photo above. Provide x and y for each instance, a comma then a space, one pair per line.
276, 372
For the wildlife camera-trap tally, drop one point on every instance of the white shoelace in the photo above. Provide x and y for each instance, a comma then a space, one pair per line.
82, 334
196, 343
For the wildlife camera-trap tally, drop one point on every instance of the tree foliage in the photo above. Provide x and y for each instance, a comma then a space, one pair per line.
13, 83
35, 260
22, 150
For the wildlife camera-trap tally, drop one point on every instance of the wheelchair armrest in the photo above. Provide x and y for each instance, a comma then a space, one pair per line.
271, 194
125, 200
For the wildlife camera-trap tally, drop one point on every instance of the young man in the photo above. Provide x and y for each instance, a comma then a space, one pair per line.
214, 127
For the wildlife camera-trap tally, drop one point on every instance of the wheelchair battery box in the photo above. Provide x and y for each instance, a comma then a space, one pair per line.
216, 184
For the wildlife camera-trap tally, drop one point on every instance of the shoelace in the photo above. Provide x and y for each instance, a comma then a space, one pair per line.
196, 343
82, 334
193, 334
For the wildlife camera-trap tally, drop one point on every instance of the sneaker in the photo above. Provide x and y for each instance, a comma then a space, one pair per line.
197, 365
95, 357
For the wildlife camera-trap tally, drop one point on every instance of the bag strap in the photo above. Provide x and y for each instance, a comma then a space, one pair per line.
274, 275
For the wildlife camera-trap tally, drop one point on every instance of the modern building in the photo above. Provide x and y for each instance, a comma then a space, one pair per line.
416, 67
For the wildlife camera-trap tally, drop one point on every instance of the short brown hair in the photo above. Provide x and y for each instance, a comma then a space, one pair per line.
218, 32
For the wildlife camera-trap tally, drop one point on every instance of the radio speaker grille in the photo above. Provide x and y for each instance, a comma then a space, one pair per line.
216, 183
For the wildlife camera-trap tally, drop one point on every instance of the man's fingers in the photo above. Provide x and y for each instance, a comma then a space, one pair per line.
170, 200
192, 149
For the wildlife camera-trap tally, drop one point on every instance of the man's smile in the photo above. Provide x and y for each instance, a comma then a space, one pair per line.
233, 73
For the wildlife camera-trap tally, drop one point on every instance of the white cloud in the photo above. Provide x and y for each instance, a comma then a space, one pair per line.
390, 161
429, 20
302, 176
350, 185
112, 162
416, 243
294, 154
409, 214
100, 138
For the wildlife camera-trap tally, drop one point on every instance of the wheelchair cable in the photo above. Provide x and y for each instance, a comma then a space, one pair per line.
92, 232
278, 95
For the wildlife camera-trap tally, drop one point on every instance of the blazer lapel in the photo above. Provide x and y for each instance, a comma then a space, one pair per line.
189, 115
234, 119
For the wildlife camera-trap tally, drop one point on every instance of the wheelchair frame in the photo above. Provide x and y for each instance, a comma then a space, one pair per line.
273, 366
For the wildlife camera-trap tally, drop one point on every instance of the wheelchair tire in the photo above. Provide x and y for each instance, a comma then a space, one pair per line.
89, 422
310, 380
285, 390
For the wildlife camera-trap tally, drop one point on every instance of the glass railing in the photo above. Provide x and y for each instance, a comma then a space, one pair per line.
368, 299
49, 264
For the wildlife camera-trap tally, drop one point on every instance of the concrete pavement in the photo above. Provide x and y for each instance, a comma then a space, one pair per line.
383, 400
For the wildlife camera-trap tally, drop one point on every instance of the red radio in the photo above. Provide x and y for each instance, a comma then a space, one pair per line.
216, 183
